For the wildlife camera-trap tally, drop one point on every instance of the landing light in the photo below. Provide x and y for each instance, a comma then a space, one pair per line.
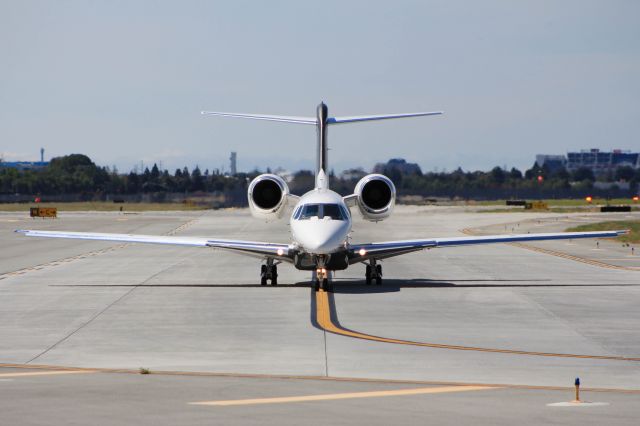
636, 198
280, 252
362, 252
588, 199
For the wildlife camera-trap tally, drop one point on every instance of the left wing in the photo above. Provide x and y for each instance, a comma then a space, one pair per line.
252, 248
383, 250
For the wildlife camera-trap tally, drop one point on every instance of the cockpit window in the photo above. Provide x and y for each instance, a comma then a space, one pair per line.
309, 211
296, 215
345, 213
332, 211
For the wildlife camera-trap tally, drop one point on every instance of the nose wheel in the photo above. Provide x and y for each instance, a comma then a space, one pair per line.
322, 280
269, 272
373, 272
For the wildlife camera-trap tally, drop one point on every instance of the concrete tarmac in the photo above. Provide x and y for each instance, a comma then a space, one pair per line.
125, 306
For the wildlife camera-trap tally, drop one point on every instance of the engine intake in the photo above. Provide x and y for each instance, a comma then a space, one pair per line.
267, 196
376, 197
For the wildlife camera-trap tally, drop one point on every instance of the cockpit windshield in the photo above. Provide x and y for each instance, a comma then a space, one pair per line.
321, 211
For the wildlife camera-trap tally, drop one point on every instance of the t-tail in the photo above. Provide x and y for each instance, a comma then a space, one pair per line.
321, 121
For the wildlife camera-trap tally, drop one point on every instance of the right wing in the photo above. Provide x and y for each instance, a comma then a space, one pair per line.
383, 250
252, 248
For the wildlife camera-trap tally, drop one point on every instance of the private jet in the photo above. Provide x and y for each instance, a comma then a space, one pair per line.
321, 219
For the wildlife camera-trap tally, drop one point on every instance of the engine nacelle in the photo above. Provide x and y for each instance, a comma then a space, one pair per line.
267, 195
376, 197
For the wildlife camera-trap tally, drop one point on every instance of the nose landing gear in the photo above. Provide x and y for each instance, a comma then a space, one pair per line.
373, 272
269, 272
322, 280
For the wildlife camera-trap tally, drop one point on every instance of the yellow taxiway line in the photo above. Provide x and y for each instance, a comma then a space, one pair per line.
351, 395
592, 262
324, 320
575, 258
310, 378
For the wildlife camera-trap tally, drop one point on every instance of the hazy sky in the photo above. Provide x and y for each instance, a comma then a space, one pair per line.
124, 81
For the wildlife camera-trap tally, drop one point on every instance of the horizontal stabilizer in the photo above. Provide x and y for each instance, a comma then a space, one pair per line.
281, 118
314, 120
357, 118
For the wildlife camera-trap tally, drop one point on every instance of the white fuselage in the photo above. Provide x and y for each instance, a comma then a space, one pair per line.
323, 229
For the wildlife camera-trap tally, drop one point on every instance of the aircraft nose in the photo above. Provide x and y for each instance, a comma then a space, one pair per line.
321, 238
318, 244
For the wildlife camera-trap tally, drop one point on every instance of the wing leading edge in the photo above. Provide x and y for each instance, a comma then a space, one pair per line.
251, 248
285, 252
383, 250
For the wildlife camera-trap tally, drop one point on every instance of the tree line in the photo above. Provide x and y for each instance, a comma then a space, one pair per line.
77, 174
498, 183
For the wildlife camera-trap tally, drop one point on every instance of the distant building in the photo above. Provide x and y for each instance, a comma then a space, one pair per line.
233, 159
24, 165
599, 162
552, 162
399, 164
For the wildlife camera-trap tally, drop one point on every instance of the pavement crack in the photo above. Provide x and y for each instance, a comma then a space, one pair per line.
93, 318
326, 358
98, 252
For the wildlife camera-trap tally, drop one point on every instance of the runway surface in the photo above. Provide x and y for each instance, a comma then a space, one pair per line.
490, 332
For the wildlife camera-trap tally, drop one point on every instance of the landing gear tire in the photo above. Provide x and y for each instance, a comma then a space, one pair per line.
373, 271
322, 280
263, 275
316, 285
269, 272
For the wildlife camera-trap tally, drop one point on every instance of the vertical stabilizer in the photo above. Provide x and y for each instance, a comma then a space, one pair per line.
322, 180
322, 115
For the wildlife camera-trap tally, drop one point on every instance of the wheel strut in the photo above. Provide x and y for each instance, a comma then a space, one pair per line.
322, 280
373, 271
269, 271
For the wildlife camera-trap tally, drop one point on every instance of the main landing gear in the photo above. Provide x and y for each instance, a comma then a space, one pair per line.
322, 280
269, 272
373, 272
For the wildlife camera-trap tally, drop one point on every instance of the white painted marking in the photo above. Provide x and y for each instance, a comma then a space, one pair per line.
577, 404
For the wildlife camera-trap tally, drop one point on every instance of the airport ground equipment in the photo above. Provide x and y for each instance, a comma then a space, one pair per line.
43, 212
